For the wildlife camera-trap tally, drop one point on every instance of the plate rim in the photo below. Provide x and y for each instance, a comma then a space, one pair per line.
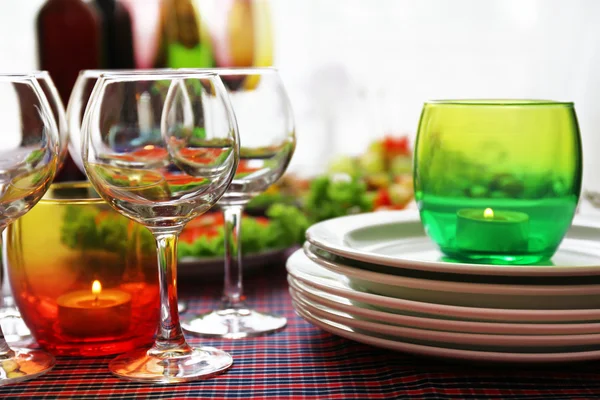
478, 339
450, 325
315, 233
433, 308
452, 286
454, 353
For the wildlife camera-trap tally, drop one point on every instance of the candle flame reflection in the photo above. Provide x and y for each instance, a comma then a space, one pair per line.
488, 213
96, 287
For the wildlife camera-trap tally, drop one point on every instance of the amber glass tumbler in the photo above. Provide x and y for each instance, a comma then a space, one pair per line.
83, 276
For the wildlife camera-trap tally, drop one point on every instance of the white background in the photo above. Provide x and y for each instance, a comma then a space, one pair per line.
357, 69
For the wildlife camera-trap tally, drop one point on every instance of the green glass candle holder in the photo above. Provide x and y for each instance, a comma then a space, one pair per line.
497, 181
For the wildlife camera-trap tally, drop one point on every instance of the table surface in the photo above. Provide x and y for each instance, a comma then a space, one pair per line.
304, 362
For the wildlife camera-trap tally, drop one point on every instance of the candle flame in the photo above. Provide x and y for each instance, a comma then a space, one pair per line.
488, 213
96, 287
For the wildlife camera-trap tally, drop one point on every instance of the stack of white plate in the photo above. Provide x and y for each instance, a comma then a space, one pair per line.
378, 279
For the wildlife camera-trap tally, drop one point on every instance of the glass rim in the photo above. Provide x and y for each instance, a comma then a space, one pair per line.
235, 70
40, 72
98, 73
500, 102
37, 74
139, 76
95, 73
49, 199
17, 76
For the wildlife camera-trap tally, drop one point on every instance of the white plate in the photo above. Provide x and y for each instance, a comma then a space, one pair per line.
318, 297
431, 351
486, 341
465, 293
301, 268
397, 239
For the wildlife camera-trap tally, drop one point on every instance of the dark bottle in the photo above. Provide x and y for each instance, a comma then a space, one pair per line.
69, 41
117, 36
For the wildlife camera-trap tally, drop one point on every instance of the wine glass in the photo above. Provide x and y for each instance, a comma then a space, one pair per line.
15, 329
29, 153
58, 111
267, 142
161, 148
77, 102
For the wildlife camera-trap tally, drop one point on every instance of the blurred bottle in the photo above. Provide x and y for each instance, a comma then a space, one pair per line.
185, 39
145, 24
263, 33
117, 35
241, 31
222, 33
68, 33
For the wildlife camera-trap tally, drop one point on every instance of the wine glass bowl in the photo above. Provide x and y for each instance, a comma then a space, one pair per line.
29, 156
267, 143
157, 179
14, 327
58, 111
161, 148
497, 181
78, 100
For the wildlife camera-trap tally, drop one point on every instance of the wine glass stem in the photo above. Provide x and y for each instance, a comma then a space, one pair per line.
232, 290
5, 290
5, 351
170, 335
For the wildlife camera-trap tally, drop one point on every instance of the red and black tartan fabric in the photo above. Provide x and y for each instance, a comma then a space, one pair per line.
304, 362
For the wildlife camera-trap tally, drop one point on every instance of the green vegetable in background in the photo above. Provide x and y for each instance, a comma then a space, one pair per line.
35, 156
88, 229
287, 225
329, 198
345, 165
199, 132
203, 247
286, 228
266, 199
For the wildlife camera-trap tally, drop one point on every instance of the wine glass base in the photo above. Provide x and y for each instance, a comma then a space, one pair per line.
233, 324
24, 365
13, 326
200, 363
182, 306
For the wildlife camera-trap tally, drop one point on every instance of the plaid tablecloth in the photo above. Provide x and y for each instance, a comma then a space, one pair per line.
304, 362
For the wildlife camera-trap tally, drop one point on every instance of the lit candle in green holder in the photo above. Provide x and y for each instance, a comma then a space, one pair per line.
518, 159
490, 231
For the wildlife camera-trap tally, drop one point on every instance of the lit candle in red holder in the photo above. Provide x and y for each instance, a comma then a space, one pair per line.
94, 313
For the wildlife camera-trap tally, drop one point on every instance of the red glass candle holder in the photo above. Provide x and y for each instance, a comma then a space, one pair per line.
83, 276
